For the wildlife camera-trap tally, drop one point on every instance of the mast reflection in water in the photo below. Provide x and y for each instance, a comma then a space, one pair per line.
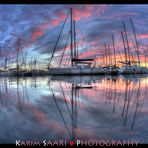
71, 108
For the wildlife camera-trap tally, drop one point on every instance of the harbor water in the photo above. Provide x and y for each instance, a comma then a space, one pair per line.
71, 108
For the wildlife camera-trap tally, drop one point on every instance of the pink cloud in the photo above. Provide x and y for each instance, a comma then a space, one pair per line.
36, 34
144, 36
60, 15
39, 31
54, 22
88, 53
79, 12
44, 26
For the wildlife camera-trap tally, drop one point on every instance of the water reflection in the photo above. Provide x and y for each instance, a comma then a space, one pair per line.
97, 107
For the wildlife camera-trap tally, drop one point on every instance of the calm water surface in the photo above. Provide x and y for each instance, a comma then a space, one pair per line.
97, 107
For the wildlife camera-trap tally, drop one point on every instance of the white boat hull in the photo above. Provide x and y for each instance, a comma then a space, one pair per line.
76, 71
132, 70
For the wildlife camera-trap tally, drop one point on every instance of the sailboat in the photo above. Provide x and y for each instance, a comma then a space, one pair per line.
16, 71
130, 67
78, 66
110, 67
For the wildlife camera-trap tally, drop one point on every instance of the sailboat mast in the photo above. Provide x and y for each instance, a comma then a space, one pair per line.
17, 51
26, 60
6, 59
127, 42
71, 45
106, 54
60, 64
103, 59
124, 46
137, 45
52, 55
114, 49
110, 56
75, 52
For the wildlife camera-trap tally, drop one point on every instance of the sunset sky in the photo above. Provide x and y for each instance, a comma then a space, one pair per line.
38, 27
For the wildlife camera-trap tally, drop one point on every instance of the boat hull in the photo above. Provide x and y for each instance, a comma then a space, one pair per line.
11, 74
76, 71
132, 70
